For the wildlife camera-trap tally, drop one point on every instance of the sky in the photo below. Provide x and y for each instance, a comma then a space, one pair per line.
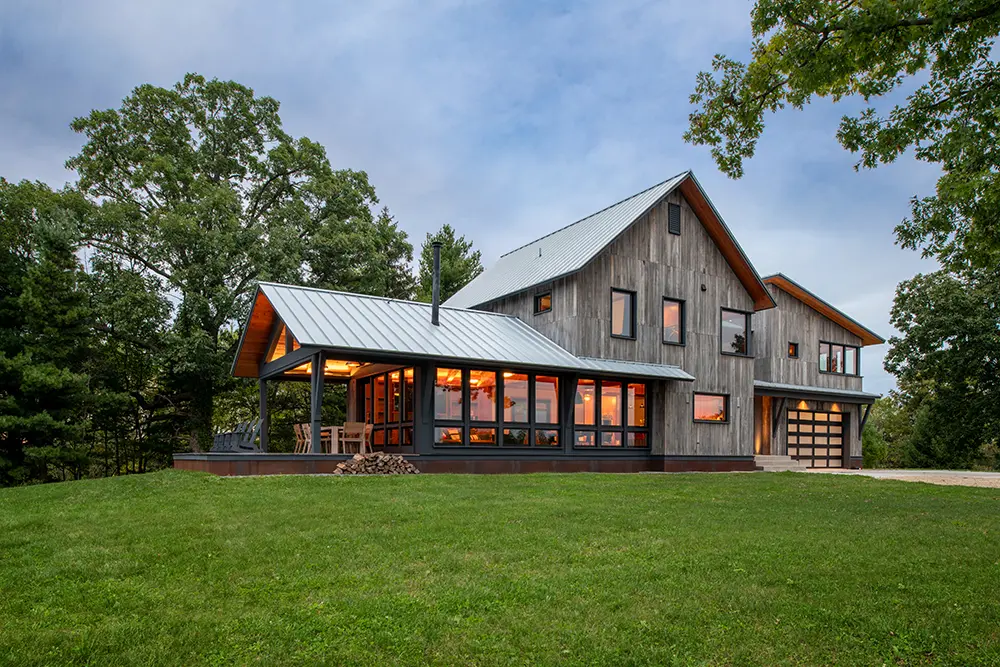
507, 120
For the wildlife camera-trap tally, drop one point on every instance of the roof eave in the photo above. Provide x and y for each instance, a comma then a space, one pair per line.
787, 285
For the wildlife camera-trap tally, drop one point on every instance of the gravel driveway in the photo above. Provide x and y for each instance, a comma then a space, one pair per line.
946, 477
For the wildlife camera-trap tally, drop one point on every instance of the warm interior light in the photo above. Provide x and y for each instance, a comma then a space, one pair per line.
508, 374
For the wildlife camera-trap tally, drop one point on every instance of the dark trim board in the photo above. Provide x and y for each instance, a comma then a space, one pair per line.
318, 464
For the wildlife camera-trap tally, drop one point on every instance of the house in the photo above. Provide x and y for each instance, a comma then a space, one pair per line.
638, 338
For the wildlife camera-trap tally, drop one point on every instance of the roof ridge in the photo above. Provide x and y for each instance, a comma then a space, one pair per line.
384, 298
587, 217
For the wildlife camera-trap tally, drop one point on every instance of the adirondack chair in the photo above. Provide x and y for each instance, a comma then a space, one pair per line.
357, 433
241, 440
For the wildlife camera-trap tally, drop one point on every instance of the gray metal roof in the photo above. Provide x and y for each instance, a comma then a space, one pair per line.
562, 252
361, 323
806, 389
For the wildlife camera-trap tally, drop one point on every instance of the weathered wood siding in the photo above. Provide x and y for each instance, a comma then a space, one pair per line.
795, 322
649, 260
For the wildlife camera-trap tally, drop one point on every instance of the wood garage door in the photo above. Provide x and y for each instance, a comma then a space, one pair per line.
817, 438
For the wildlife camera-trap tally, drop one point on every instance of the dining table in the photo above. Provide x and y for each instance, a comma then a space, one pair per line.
331, 436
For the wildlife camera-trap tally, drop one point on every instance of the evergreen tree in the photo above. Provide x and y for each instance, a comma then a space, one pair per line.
459, 264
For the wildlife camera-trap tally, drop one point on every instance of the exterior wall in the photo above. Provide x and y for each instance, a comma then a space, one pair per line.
794, 321
852, 442
649, 260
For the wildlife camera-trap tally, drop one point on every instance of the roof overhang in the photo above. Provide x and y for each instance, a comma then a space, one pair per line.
796, 391
792, 288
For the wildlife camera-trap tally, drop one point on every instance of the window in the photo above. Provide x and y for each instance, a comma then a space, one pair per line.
711, 408
617, 419
673, 321
735, 332
507, 409
380, 399
842, 359
543, 303
386, 401
622, 313
793, 350
674, 219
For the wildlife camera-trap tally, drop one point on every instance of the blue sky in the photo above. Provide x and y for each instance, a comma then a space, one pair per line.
505, 119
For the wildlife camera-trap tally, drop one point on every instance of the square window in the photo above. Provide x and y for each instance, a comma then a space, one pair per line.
584, 438
611, 439
793, 350
543, 303
622, 313
735, 332
711, 408
673, 321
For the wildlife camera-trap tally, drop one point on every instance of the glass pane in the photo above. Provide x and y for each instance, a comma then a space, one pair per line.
671, 321
515, 436
483, 396
393, 436
407, 435
835, 417
408, 395
515, 397
546, 400
734, 332
584, 405
380, 399
448, 435
543, 303
378, 437
395, 398
611, 403
638, 440
621, 313
482, 436
851, 360
279, 344
637, 405
368, 402
709, 408
611, 439
836, 359
824, 356
546, 438
584, 438
448, 394
793, 350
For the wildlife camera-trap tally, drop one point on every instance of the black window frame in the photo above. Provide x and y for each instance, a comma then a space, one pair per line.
793, 350
726, 407
399, 425
748, 319
683, 322
633, 319
844, 347
599, 429
538, 298
532, 426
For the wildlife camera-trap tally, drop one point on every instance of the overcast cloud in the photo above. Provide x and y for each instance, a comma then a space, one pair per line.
507, 120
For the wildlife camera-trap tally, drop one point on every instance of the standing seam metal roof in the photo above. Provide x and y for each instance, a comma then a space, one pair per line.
562, 252
340, 320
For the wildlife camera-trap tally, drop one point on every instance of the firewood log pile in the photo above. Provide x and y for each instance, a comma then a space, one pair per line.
376, 463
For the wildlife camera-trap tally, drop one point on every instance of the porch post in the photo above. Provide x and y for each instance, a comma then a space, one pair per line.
265, 418
567, 410
318, 362
423, 426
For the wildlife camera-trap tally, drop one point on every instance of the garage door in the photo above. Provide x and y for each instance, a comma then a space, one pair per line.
817, 438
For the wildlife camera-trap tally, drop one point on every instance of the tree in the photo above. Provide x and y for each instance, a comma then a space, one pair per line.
459, 264
363, 256
868, 50
200, 187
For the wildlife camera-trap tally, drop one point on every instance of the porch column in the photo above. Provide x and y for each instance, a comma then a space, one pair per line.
318, 362
423, 425
567, 410
265, 418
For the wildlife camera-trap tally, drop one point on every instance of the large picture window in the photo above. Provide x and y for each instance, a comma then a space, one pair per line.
386, 402
610, 414
735, 332
622, 313
673, 321
507, 409
712, 408
841, 359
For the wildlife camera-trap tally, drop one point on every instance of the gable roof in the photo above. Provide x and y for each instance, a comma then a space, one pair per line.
827, 310
569, 249
359, 324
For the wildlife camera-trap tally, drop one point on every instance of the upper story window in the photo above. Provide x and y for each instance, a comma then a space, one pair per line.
842, 359
622, 313
543, 303
735, 332
674, 219
793, 350
673, 321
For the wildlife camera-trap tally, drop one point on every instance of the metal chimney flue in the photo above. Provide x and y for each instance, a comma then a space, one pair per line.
436, 289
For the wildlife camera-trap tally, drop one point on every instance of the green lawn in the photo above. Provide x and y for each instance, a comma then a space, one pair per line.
186, 568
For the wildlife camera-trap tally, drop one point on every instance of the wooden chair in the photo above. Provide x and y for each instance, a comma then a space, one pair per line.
303, 438
357, 433
241, 440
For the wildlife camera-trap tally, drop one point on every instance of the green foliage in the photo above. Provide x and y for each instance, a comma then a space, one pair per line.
768, 569
459, 264
867, 50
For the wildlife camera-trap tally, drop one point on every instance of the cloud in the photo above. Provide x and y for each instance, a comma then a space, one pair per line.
505, 119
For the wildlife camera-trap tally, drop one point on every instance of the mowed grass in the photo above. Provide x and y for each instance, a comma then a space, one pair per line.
187, 568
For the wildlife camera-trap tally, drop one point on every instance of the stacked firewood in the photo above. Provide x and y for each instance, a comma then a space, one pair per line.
377, 463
